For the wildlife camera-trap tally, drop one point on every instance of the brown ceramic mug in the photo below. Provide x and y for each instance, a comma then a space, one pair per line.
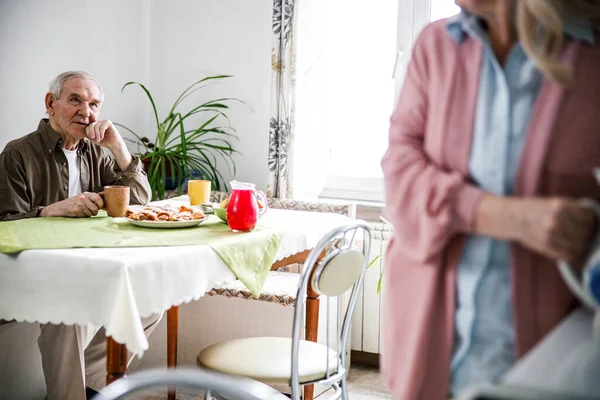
116, 200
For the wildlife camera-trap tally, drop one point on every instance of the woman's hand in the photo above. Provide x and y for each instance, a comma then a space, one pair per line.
558, 228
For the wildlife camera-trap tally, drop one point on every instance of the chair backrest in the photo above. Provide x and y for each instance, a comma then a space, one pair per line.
347, 209
233, 388
218, 197
334, 266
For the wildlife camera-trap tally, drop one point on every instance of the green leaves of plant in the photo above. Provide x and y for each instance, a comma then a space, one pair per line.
147, 93
188, 152
373, 262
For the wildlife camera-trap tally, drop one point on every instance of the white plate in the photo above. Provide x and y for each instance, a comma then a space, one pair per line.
167, 224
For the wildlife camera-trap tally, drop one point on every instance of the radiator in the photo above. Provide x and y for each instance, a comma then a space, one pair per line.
366, 321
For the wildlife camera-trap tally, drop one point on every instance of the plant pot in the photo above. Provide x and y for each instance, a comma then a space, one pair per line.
146, 163
171, 184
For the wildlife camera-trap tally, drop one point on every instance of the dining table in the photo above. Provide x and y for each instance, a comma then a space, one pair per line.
111, 273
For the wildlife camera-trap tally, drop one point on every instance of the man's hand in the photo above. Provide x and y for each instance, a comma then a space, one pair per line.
104, 133
82, 205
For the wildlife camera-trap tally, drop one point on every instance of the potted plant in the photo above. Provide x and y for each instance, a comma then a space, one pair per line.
179, 152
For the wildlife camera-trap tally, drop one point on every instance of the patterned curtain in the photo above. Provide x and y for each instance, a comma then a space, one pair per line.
283, 60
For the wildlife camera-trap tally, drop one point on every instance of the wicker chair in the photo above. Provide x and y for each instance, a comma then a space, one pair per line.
280, 286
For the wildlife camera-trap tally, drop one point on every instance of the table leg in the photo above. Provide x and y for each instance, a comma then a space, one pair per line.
311, 328
172, 333
116, 360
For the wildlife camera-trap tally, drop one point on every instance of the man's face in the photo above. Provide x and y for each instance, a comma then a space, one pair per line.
78, 106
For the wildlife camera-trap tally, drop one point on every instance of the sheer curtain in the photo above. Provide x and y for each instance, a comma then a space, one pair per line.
311, 159
344, 93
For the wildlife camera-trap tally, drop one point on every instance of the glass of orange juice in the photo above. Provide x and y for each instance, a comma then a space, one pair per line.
198, 191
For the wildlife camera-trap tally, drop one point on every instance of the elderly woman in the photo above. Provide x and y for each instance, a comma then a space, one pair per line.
493, 141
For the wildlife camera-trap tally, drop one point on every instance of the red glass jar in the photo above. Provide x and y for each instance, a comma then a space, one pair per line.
243, 211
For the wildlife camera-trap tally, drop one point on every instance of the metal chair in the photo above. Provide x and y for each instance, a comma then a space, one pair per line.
233, 388
333, 266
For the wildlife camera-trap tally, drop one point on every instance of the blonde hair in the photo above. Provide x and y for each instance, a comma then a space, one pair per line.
540, 25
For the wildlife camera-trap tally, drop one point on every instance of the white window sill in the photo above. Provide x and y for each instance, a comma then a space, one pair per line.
369, 190
369, 211
358, 202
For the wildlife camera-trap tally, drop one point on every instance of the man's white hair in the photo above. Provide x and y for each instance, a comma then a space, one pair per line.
56, 85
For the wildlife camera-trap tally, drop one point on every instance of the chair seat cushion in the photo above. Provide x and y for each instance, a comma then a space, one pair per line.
279, 287
268, 359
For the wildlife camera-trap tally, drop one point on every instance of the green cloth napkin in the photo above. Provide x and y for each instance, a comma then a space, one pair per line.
249, 255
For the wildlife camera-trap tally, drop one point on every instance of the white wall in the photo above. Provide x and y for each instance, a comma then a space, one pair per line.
193, 39
165, 45
39, 39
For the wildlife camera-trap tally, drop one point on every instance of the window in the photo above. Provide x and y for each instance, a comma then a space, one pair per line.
364, 60
442, 9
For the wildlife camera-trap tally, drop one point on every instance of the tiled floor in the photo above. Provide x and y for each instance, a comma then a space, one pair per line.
363, 384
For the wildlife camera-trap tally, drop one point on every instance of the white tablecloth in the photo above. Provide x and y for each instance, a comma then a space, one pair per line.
115, 287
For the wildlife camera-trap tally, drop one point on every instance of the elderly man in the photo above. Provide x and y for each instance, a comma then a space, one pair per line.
56, 171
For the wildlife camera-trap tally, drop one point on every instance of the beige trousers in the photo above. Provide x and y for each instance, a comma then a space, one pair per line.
74, 356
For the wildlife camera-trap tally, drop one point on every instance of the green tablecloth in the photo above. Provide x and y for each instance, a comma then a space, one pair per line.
248, 255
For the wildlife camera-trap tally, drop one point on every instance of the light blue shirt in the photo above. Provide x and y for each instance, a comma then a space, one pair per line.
484, 347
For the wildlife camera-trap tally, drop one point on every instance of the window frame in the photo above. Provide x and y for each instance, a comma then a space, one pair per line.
413, 16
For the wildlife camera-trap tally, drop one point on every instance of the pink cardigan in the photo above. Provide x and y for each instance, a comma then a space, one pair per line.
432, 203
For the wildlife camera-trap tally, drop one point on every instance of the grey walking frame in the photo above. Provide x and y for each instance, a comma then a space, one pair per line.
233, 387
